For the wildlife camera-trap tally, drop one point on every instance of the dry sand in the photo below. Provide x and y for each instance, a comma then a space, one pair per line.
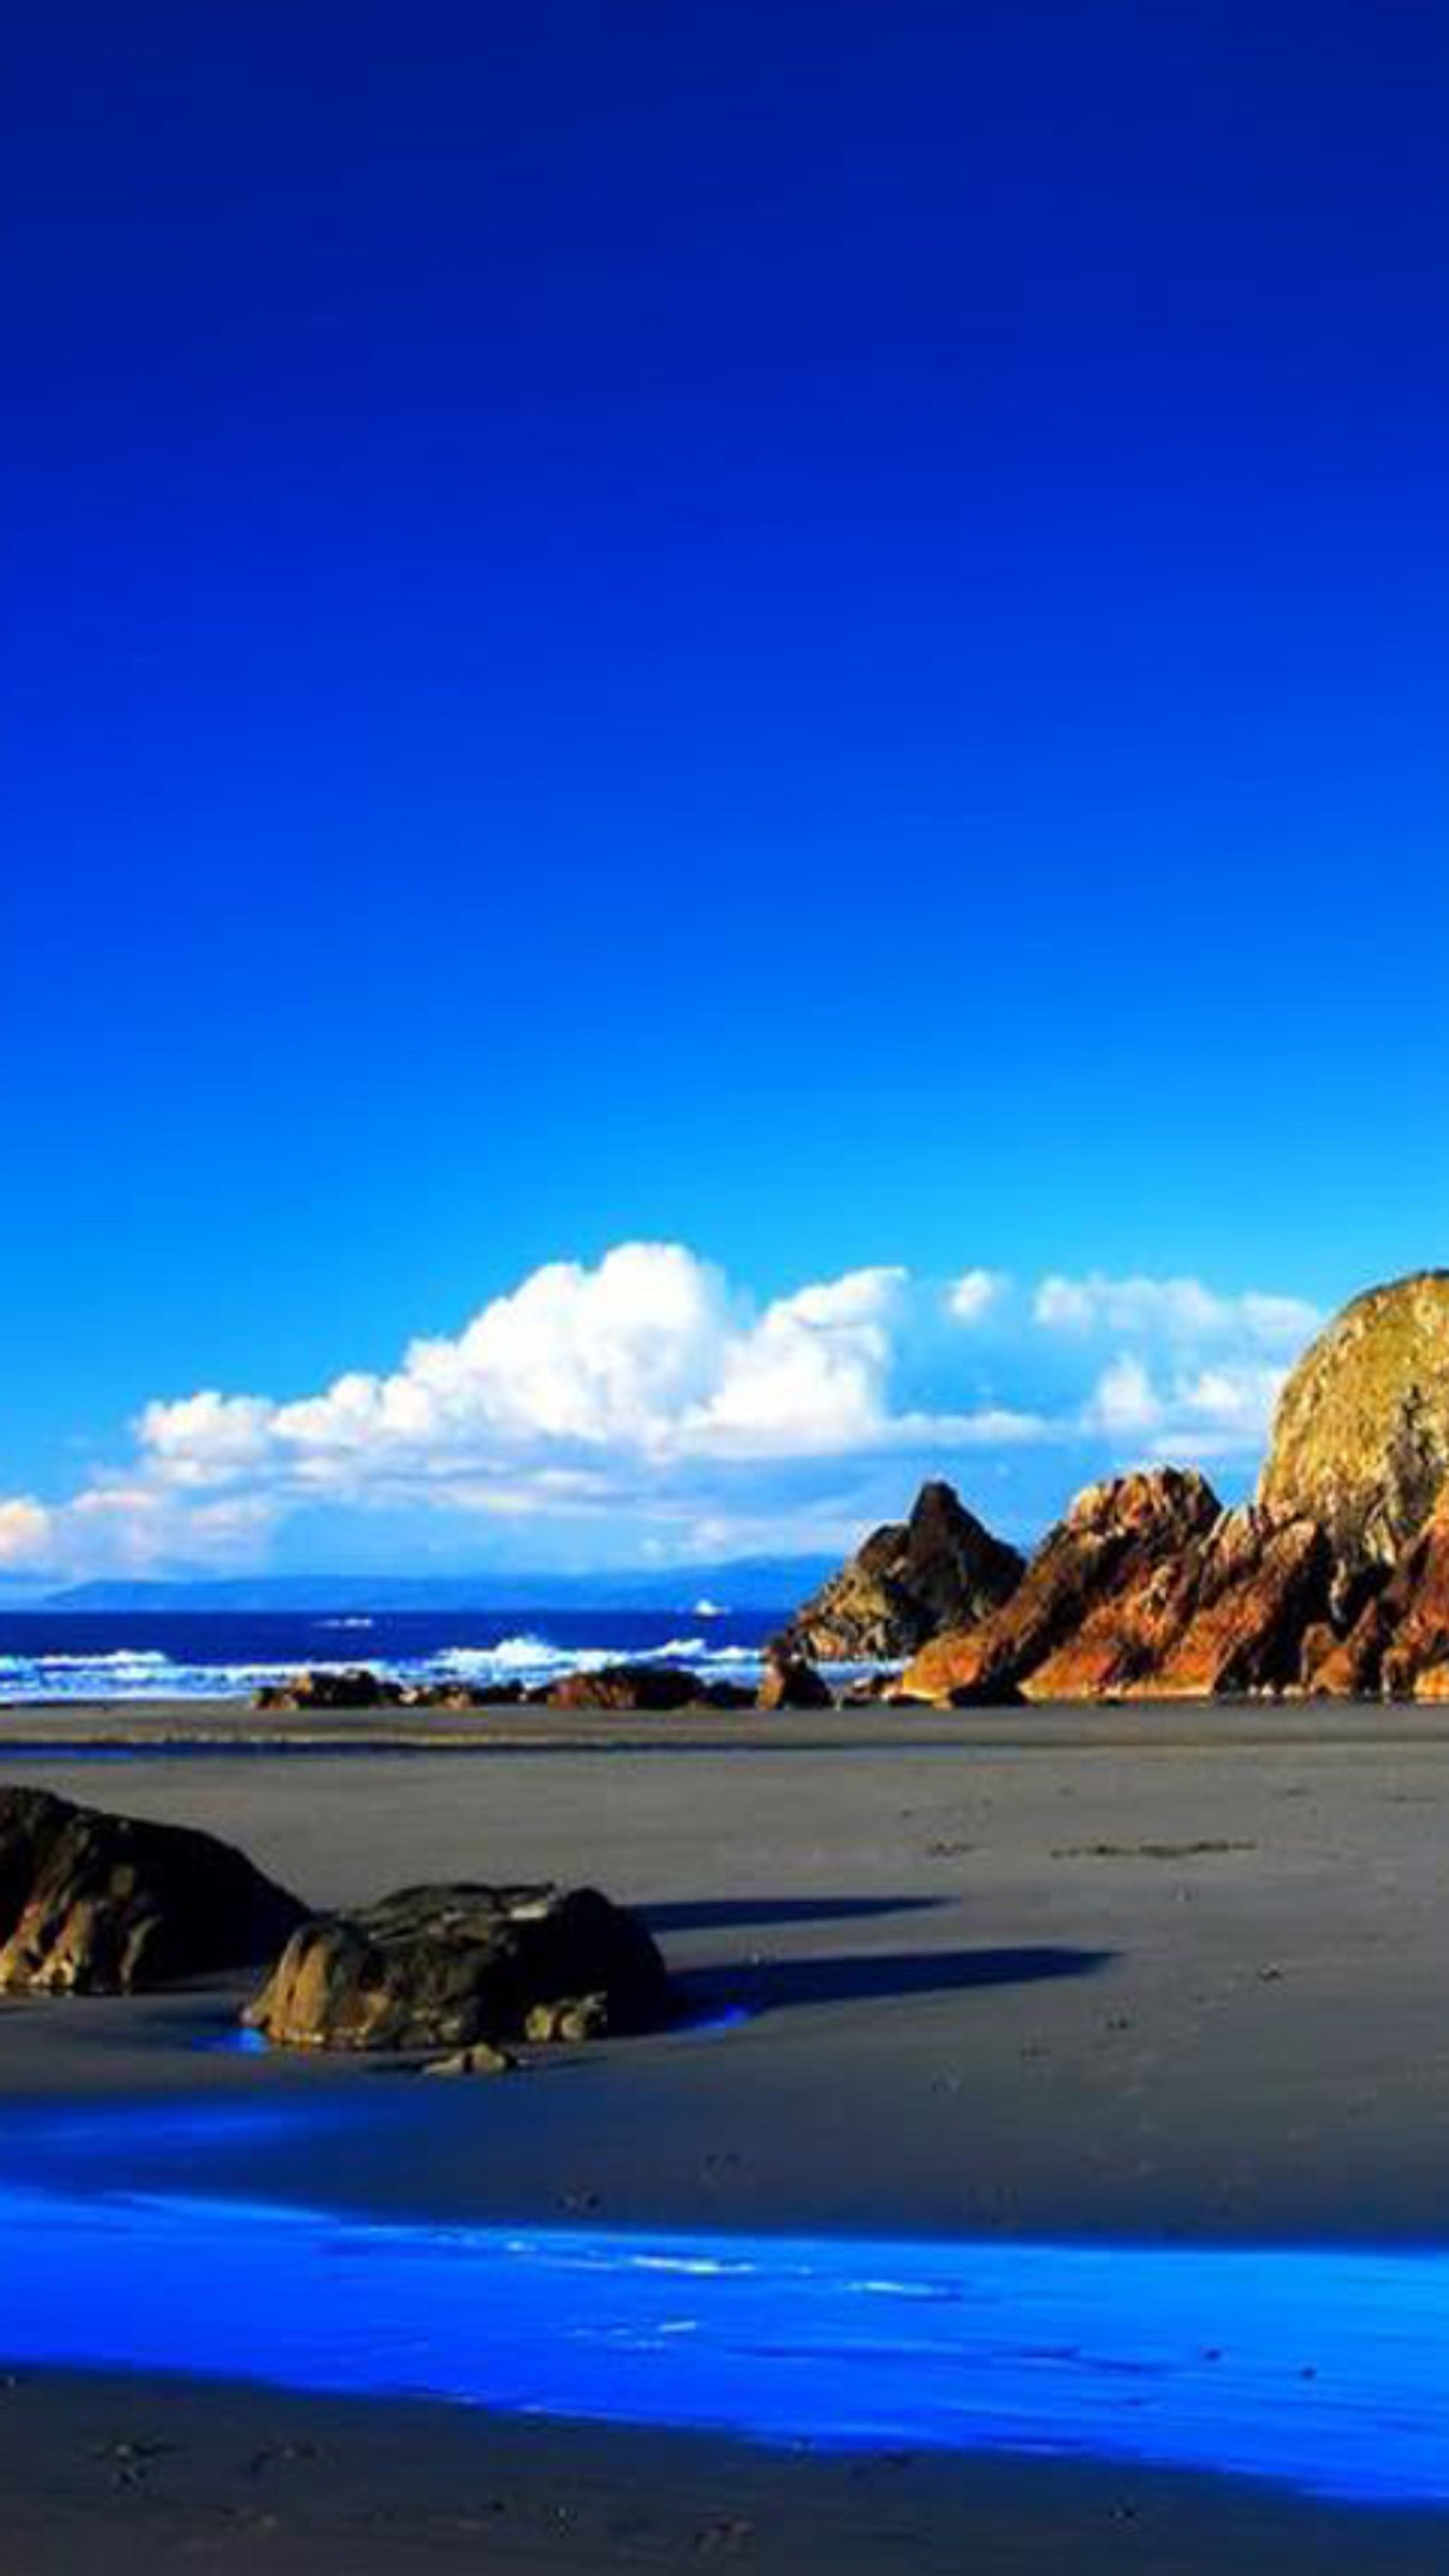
1173, 1977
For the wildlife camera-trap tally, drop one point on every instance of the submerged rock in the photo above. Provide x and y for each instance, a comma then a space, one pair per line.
448, 1967
94, 1904
1361, 1440
940, 1569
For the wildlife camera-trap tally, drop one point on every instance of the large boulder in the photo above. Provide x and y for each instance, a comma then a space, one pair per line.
1361, 1441
910, 1580
448, 1967
1116, 1537
99, 1904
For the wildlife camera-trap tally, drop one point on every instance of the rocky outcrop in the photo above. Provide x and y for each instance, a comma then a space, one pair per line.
451, 1967
789, 1682
1226, 1617
325, 1688
634, 1688
910, 1580
1399, 1644
1115, 1538
329, 1688
98, 1904
1248, 1594
1361, 1441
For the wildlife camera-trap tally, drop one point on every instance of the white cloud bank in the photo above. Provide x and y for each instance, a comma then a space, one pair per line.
651, 1405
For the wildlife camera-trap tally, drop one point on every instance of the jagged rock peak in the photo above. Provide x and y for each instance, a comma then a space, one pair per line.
1150, 1502
1361, 1440
911, 1579
1115, 1535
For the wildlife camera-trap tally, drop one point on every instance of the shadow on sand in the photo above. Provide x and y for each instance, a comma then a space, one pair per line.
713, 1914
774, 1985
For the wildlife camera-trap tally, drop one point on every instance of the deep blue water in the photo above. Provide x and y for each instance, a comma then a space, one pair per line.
70, 1655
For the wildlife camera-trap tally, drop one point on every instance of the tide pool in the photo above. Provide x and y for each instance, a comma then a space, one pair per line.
1325, 2371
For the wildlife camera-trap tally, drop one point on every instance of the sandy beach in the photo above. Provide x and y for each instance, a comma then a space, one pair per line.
1163, 1981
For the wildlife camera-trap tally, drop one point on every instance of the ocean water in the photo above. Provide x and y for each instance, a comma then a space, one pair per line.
48, 1656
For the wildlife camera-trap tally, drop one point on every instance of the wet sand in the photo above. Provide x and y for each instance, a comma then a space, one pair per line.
1174, 1978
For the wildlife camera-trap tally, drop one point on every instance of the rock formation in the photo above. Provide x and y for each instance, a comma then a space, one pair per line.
1224, 1616
326, 1688
1398, 1646
1114, 1538
99, 1904
630, 1687
940, 1569
1361, 1442
789, 1682
450, 1967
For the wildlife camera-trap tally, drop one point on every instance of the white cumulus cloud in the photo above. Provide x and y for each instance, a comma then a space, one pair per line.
1177, 1310
648, 1402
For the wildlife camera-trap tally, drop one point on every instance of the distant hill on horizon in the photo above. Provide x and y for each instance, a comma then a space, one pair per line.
748, 1583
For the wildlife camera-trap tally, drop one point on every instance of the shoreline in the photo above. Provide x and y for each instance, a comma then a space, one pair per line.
58, 1727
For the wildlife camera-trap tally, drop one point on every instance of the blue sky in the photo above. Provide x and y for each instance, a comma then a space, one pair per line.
816, 634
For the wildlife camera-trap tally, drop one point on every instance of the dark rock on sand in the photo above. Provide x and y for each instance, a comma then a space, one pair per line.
325, 1689
360, 1688
99, 1904
1361, 1441
630, 1687
789, 1682
451, 1966
910, 1580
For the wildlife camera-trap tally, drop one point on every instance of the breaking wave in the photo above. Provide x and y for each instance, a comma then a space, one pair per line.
232, 1658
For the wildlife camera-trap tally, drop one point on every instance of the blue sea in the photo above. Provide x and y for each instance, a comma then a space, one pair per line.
72, 1655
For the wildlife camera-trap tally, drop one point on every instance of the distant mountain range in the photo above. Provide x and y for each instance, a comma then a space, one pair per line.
749, 1583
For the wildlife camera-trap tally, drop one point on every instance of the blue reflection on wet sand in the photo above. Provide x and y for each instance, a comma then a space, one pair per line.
1325, 2371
